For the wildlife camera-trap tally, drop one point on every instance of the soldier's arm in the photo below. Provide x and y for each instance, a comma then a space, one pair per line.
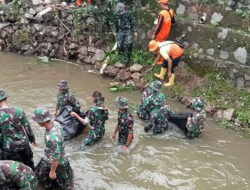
54, 145
116, 23
83, 121
114, 133
130, 124
27, 128
76, 105
133, 26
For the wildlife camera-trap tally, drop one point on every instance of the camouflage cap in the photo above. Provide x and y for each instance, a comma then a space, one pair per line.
159, 100
120, 7
41, 115
63, 85
198, 104
2, 95
156, 85
122, 102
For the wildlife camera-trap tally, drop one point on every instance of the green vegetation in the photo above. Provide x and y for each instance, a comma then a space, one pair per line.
21, 36
242, 13
122, 88
139, 56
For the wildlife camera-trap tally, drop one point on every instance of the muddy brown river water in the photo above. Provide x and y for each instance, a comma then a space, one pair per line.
218, 160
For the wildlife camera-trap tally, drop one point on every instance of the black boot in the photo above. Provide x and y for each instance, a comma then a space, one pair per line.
127, 58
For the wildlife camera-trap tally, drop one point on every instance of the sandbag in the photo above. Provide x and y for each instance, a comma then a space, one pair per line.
180, 119
71, 125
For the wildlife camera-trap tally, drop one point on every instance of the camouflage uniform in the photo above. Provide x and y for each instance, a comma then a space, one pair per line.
15, 135
97, 116
197, 122
16, 174
159, 115
125, 121
148, 96
124, 27
67, 98
54, 150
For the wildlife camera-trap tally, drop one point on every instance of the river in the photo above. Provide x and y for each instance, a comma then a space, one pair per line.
217, 160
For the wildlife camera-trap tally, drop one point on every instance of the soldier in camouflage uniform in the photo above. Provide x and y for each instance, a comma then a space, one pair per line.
96, 116
15, 133
124, 28
16, 175
148, 96
64, 98
125, 124
159, 115
196, 123
55, 164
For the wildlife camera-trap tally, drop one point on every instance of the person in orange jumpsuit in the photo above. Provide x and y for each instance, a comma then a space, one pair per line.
171, 52
79, 2
165, 21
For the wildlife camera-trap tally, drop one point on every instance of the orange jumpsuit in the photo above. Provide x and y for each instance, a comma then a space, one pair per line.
165, 21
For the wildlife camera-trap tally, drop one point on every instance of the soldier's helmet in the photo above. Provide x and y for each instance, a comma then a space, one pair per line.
159, 99
122, 102
156, 85
63, 85
41, 115
120, 7
198, 104
2, 95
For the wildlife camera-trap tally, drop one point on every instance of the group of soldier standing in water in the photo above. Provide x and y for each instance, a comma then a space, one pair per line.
17, 167
16, 163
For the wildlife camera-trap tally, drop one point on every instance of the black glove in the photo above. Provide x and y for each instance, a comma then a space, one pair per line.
146, 129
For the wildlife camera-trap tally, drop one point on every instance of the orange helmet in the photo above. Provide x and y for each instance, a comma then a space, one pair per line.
163, 1
153, 45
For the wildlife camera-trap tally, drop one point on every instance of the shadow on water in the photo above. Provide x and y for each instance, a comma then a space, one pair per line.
218, 160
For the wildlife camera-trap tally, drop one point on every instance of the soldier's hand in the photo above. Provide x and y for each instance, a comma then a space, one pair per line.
34, 144
135, 34
124, 148
73, 114
55, 113
153, 64
113, 136
115, 34
52, 175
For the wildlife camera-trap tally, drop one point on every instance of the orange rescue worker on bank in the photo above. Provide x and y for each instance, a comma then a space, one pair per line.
165, 21
171, 52
79, 2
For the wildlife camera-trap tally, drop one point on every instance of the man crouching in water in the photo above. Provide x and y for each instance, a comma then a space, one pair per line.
125, 124
55, 164
196, 123
96, 116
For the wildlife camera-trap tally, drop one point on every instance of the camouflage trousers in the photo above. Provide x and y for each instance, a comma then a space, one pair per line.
193, 134
125, 40
93, 137
64, 175
143, 113
29, 185
24, 156
160, 128
122, 139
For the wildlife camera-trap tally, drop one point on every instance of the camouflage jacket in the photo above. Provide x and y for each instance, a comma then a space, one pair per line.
125, 123
157, 119
197, 123
166, 112
67, 99
15, 129
54, 145
15, 173
147, 96
124, 21
97, 117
